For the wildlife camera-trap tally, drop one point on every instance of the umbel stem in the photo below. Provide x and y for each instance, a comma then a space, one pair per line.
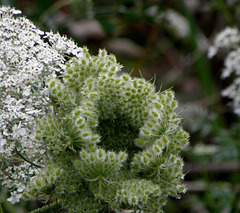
48, 208
21, 156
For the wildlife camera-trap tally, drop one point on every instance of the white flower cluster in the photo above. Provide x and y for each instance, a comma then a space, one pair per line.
92, 133
28, 56
226, 39
229, 39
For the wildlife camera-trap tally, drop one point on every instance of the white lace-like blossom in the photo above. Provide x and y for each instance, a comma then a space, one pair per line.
92, 133
229, 39
28, 56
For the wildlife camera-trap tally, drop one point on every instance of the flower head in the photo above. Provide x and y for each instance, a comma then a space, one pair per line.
118, 131
228, 40
81, 130
27, 59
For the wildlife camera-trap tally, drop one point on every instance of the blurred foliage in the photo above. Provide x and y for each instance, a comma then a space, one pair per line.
143, 36
229, 141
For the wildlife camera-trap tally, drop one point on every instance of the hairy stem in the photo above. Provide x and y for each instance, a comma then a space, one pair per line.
45, 209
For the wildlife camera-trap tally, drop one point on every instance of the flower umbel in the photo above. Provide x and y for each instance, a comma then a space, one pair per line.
26, 61
119, 133
101, 140
228, 40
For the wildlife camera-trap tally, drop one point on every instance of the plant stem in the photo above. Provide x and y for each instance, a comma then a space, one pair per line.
100, 187
45, 209
201, 65
20, 155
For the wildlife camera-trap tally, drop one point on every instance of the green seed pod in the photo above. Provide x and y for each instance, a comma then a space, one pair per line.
110, 137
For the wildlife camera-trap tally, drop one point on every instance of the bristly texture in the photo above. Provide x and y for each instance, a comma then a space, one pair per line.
28, 57
116, 140
102, 141
228, 41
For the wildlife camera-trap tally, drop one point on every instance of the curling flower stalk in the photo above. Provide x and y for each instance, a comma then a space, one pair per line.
114, 137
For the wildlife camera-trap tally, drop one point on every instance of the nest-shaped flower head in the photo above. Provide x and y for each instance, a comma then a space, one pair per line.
114, 138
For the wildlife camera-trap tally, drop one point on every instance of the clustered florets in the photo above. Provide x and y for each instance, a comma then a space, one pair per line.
228, 40
124, 138
107, 141
28, 57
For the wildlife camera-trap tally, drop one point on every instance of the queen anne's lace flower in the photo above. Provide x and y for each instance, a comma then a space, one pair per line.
112, 134
229, 40
102, 141
28, 56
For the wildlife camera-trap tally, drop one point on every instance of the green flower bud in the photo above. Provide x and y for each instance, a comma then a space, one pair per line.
111, 137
